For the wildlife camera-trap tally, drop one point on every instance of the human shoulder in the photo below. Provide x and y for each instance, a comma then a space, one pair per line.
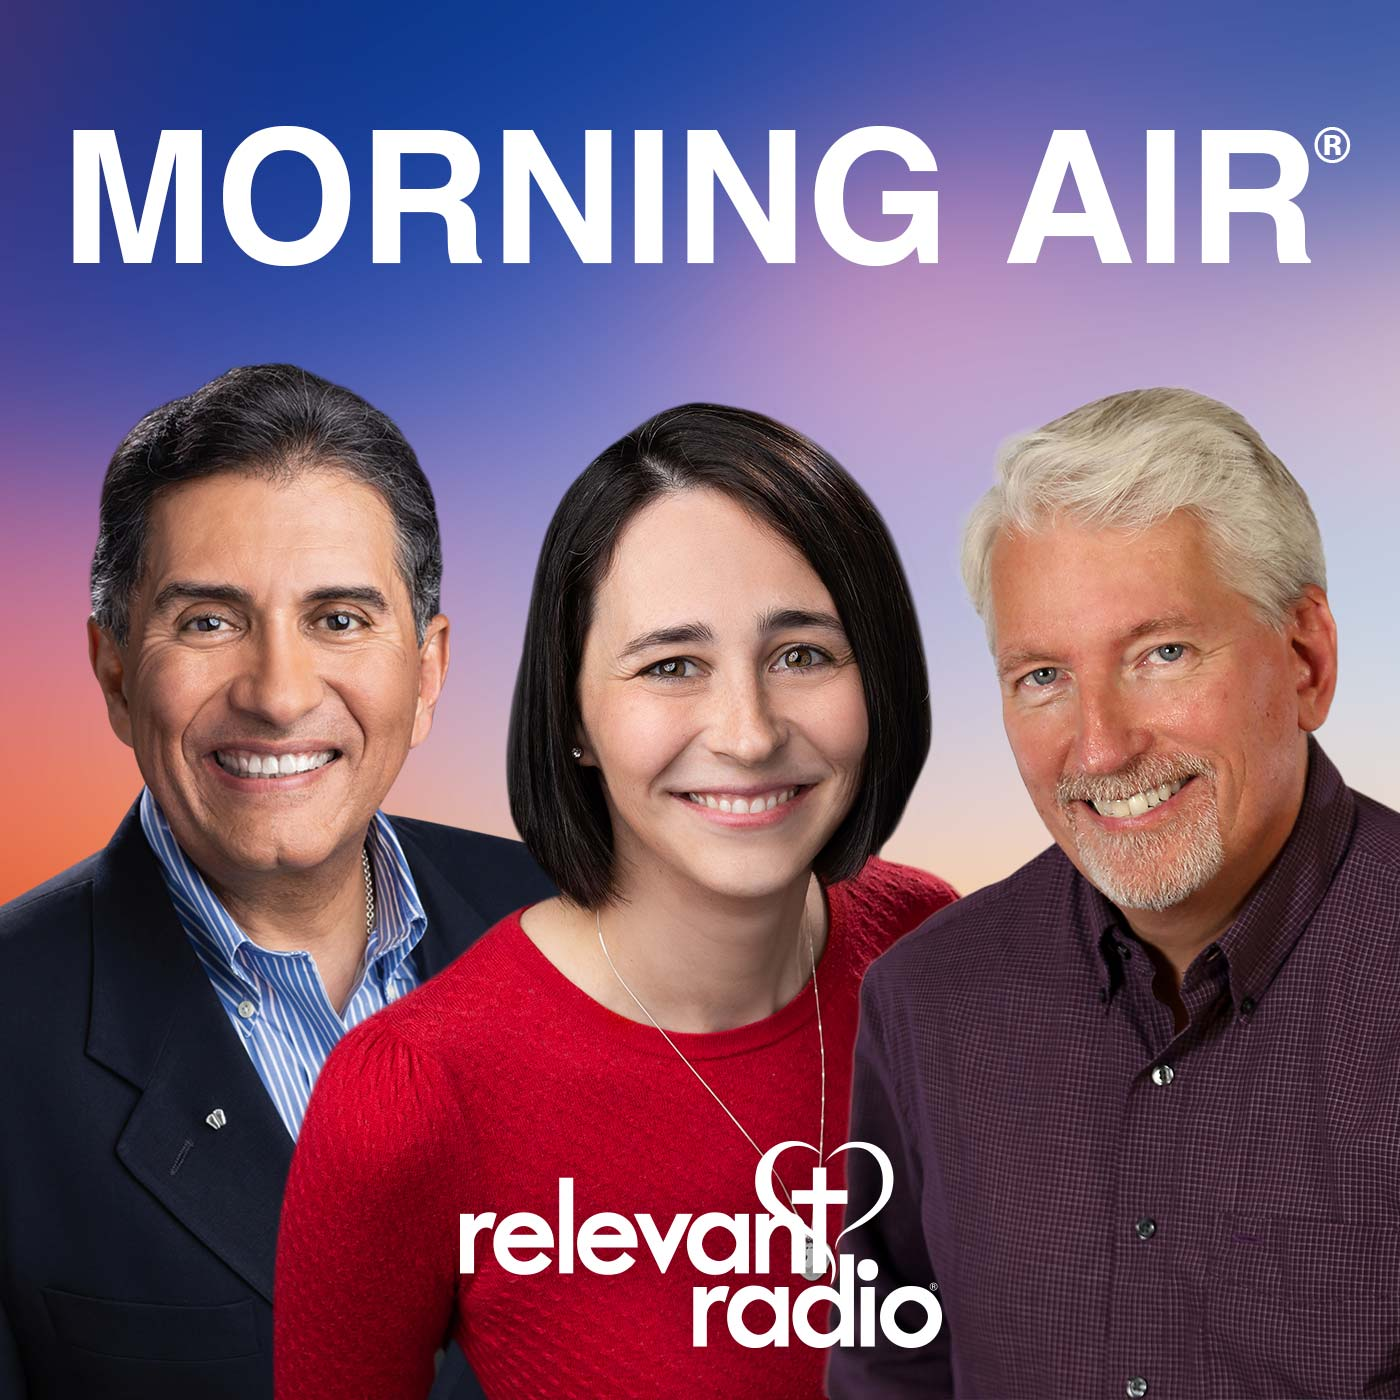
35, 921
895, 898
476, 859
1003, 921
475, 996
1378, 835
1369, 876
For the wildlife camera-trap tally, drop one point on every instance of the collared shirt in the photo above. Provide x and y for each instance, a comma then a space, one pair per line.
276, 1000
1109, 1206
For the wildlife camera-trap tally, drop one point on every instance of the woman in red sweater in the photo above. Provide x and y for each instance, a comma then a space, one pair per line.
720, 713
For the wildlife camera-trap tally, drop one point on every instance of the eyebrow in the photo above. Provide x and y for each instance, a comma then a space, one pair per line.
681, 635
193, 591
1167, 622
781, 619
689, 633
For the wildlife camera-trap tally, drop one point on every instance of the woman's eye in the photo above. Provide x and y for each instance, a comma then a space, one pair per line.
1171, 651
801, 659
1043, 675
674, 668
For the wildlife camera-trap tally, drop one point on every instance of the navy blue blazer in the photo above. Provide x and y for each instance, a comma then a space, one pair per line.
137, 1243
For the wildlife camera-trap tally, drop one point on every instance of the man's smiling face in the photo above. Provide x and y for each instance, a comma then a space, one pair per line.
271, 684
1158, 721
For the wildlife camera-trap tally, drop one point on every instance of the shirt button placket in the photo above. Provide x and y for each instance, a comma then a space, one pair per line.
1138, 1335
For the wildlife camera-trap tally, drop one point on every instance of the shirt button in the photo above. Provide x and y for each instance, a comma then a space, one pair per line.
246, 1009
1137, 1387
1163, 1074
1145, 1228
1247, 1006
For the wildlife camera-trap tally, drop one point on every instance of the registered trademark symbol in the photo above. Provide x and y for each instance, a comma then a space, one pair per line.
1332, 144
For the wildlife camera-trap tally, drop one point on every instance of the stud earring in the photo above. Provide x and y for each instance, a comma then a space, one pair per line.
576, 751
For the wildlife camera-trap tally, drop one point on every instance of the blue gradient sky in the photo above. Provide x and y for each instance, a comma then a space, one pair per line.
508, 379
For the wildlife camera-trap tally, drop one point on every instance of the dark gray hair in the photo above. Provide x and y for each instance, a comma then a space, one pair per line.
265, 420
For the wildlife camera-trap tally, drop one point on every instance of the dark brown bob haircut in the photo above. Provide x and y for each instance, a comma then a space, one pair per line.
796, 489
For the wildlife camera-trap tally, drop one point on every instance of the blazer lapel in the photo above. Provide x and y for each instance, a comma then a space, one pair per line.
157, 1022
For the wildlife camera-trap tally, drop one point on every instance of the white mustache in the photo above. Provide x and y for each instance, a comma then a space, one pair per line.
1149, 772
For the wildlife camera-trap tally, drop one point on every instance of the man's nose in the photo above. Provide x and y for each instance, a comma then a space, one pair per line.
745, 725
280, 682
1108, 734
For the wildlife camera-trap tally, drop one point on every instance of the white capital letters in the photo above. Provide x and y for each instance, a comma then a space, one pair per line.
920, 235
392, 201
524, 162
1219, 199
97, 159
238, 196
1069, 153
708, 160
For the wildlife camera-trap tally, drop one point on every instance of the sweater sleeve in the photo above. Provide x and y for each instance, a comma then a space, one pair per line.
367, 1247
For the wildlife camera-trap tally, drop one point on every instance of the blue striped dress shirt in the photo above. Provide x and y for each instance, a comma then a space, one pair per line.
275, 1000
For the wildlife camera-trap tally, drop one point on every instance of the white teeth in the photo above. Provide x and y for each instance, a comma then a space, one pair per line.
743, 806
252, 765
1139, 802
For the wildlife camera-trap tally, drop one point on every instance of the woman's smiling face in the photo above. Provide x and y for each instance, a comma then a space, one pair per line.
720, 701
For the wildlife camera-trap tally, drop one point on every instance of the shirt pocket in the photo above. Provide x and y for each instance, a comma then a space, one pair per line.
153, 1331
1303, 1307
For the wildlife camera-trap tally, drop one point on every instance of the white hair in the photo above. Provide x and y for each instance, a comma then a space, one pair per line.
1130, 461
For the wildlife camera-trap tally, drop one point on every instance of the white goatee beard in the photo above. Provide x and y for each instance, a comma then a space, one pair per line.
1162, 868
1157, 868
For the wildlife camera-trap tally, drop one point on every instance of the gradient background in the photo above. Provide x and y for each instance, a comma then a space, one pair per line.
508, 379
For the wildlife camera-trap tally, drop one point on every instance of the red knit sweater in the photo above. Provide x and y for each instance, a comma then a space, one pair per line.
482, 1090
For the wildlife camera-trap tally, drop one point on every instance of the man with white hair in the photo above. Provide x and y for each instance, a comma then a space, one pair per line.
1142, 1098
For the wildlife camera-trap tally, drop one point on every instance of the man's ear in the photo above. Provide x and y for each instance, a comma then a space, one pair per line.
433, 657
109, 666
1312, 633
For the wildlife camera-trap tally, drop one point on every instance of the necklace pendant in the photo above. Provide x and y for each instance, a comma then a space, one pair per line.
809, 1267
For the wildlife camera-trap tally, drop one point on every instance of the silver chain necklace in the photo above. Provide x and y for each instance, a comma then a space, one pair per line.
369, 891
810, 1270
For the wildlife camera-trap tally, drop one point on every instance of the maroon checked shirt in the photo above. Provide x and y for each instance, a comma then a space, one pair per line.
1111, 1208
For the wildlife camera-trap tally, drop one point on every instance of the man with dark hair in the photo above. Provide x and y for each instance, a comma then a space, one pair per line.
267, 638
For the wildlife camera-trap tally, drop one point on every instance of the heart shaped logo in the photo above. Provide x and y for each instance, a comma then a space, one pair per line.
766, 1173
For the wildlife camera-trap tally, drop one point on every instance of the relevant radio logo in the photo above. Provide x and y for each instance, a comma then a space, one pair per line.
523, 1243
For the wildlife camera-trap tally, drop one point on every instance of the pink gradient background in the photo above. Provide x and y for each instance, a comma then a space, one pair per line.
508, 379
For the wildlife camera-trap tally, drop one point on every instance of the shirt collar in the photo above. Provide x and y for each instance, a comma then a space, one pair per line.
1277, 911
399, 916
